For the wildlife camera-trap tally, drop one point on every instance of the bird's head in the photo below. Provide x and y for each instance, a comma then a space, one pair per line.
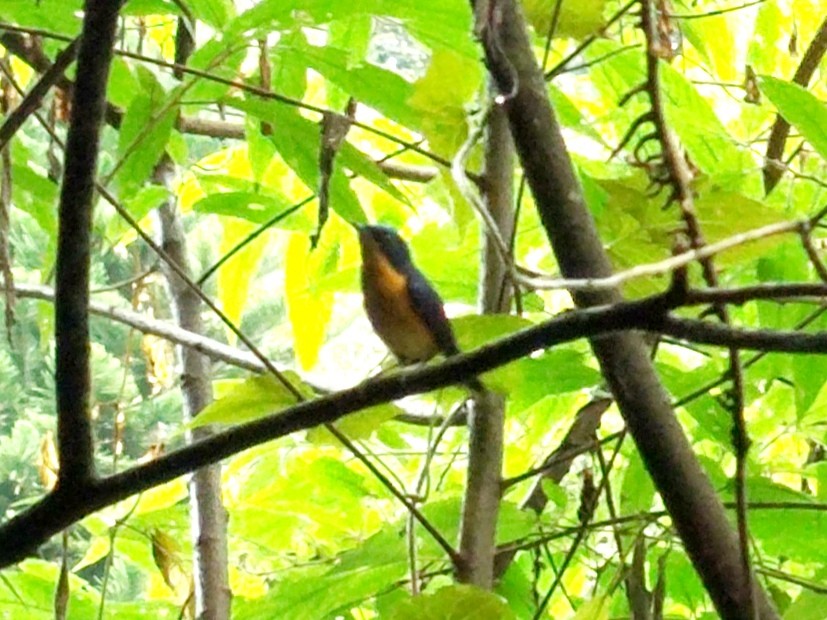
384, 241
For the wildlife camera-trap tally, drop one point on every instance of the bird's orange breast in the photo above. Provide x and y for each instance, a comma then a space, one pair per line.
389, 308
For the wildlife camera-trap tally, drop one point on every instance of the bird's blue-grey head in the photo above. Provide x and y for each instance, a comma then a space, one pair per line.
387, 241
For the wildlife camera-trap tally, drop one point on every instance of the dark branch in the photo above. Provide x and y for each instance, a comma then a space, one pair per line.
34, 97
75, 212
21, 535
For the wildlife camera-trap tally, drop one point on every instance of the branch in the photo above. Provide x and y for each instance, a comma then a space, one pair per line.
34, 98
72, 378
624, 359
212, 348
21, 535
680, 177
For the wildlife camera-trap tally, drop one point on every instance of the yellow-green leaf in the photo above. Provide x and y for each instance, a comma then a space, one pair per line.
98, 548
577, 19
443, 109
248, 399
358, 425
455, 602
308, 309
595, 609
235, 275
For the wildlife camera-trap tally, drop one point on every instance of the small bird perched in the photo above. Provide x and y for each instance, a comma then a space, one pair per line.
404, 309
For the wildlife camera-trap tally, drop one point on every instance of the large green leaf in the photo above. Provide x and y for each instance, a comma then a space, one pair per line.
712, 37
787, 533
436, 23
218, 57
309, 594
244, 400
637, 492
373, 86
800, 108
455, 602
144, 132
61, 16
809, 605
700, 130
216, 13
297, 141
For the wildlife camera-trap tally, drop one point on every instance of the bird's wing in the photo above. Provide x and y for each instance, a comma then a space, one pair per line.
428, 305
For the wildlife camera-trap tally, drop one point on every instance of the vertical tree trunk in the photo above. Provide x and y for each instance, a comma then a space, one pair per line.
208, 518
485, 452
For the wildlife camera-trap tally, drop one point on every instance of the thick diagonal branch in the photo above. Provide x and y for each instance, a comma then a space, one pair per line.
27, 530
624, 359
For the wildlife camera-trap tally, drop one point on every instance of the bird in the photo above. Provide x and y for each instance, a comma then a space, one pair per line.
404, 309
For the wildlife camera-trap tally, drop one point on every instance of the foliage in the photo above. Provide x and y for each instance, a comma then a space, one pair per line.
313, 532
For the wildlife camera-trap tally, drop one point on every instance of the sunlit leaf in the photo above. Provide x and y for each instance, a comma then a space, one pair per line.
240, 401
309, 311
144, 132
237, 274
457, 602
575, 19
800, 108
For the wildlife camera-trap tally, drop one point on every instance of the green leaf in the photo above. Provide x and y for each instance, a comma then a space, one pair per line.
637, 492
36, 195
256, 207
684, 585
575, 19
713, 37
595, 609
313, 593
795, 534
439, 25
122, 85
297, 141
59, 16
97, 548
455, 602
373, 86
800, 108
517, 588
359, 425
216, 13
766, 50
260, 149
145, 200
352, 34
248, 399
143, 134
354, 159
218, 57
474, 330
808, 605
569, 114
443, 110
300, 503
701, 132
723, 213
